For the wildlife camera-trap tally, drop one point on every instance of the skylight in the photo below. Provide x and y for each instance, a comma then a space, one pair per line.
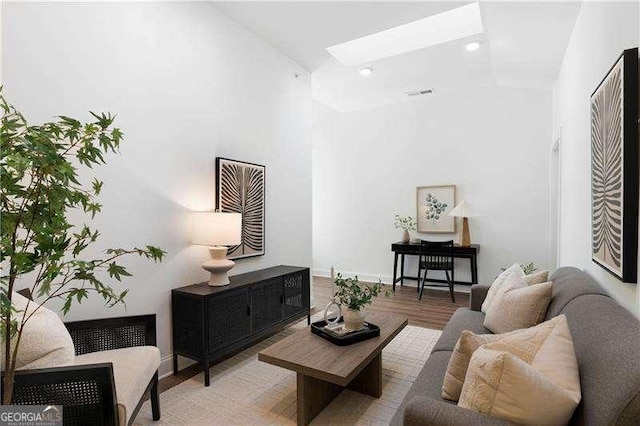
451, 25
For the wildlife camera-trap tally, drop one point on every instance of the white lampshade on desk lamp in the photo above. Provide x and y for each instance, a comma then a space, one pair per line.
464, 210
217, 230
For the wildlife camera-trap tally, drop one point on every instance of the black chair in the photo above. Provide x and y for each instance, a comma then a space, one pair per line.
87, 392
435, 256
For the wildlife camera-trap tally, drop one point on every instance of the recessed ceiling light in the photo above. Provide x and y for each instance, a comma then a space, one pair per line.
451, 25
473, 46
365, 71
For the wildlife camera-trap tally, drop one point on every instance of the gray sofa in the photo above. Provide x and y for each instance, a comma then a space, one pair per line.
607, 343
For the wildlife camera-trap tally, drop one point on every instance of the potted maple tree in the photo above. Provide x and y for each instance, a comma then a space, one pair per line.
40, 183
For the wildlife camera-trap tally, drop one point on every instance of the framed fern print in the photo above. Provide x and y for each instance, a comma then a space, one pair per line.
614, 169
240, 188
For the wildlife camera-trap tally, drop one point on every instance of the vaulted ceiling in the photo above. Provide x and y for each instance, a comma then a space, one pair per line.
522, 46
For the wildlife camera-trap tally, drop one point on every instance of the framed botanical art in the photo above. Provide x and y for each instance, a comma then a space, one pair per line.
433, 206
240, 188
614, 169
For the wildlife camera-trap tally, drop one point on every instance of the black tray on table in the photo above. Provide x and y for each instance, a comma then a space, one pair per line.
369, 331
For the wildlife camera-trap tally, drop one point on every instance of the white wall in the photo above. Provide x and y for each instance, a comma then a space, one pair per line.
602, 31
493, 143
188, 84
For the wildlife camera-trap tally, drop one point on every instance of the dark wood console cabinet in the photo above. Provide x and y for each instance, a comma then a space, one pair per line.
212, 323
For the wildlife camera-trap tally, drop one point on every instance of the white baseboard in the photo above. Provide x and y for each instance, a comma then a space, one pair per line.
362, 276
166, 365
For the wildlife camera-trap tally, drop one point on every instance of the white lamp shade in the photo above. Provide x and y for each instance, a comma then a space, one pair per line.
463, 209
216, 229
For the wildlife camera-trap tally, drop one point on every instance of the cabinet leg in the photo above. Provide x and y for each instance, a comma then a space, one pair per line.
206, 373
175, 363
308, 319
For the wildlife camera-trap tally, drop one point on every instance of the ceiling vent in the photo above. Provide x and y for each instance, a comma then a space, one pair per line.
420, 92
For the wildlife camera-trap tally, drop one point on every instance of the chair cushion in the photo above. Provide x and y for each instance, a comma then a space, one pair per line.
133, 369
45, 340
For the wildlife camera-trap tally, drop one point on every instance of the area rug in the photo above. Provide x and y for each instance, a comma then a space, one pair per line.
245, 391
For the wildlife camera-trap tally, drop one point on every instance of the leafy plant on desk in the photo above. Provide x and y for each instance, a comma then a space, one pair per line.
528, 268
408, 223
41, 184
352, 294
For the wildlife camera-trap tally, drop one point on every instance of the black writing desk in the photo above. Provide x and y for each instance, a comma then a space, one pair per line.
403, 249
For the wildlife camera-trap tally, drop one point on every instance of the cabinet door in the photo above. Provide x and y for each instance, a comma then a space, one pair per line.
266, 304
296, 293
228, 318
188, 321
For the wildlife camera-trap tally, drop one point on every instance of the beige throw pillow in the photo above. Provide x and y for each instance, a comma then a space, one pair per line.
520, 342
497, 284
518, 305
515, 270
45, 340
515, 385
537, 277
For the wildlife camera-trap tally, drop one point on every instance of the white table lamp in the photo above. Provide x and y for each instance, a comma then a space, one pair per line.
217, 230
463, 210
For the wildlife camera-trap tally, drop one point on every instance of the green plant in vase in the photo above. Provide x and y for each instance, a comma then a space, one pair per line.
407, 223
353, 295
40, 247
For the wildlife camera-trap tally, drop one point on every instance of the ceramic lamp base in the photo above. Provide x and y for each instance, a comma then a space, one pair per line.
218, 266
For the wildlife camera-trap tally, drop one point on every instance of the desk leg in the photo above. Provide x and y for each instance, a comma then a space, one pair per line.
395, 269
474, 270
402, 270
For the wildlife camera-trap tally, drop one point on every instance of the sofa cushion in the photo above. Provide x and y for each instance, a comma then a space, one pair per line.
133, 369
462, 319
514, 269
518, 305
45, 340
607, 343
569, 283
523, 343
537, 277
501, 384
428, 383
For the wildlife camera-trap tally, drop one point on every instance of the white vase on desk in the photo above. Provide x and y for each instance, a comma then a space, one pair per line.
405, 236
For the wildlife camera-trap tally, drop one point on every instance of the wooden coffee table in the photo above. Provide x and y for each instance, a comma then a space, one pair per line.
325, 369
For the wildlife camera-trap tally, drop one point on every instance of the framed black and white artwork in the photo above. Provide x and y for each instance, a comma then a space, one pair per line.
240, 188
614, 169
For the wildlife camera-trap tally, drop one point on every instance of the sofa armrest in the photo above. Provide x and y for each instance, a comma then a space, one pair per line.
112, 333
478, 294
422, 411
87, 393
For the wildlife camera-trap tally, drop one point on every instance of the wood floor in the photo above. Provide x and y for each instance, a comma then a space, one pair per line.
433, 311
